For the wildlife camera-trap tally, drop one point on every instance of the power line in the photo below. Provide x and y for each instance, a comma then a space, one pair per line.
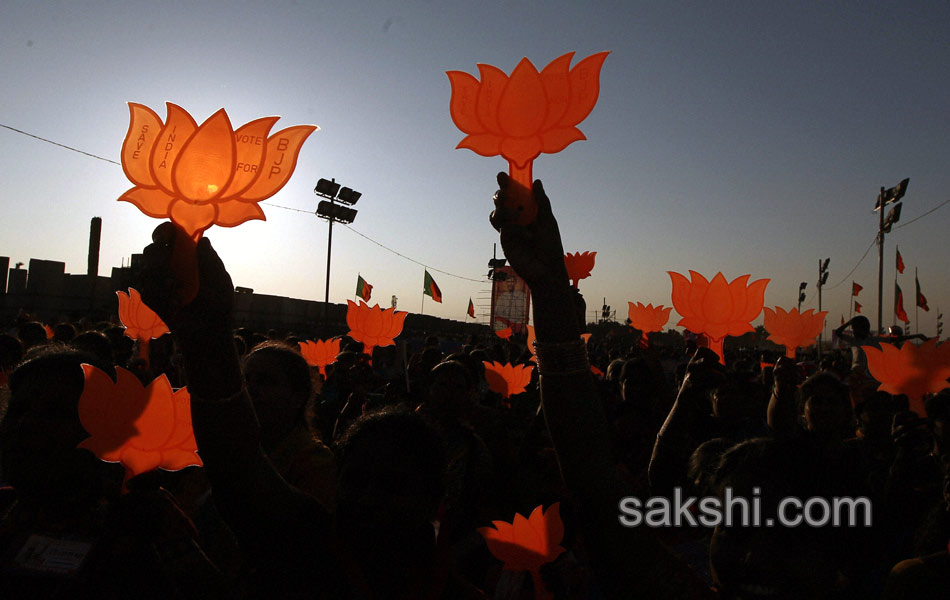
42, 139
924, 215
399, 254
860, 260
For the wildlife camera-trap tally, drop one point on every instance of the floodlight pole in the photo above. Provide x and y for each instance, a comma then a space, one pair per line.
326, 295
880, 265
332, 192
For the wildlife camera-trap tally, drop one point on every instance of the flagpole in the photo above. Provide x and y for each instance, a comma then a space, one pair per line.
916, 302
851, 308
422, 310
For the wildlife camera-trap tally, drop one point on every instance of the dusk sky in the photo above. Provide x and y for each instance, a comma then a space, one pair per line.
741, 137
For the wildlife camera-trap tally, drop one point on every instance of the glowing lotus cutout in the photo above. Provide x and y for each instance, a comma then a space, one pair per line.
912, 370
717, 308
793, 329
649, 318
523, 115
199, 176
528, 544
374, 326
507, 379
579, 265
320, 353
142, 427
505, 333
141, 323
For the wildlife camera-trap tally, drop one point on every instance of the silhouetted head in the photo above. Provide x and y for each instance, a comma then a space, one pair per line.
860, 326
278, 381
825, 403
391, 477
41, 430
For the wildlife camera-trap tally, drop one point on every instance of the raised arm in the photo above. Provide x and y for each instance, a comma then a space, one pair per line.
629, 561
247, 489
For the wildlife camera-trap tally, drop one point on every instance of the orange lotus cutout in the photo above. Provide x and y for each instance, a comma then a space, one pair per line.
793, 329
505, 333
142, 427
508, 379
141, 323
199, 176
912, 370
523, 115
649, 318
374, 326
320, 353
579, 265
717, 308
528, 544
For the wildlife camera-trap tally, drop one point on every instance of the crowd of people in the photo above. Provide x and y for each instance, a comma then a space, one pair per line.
374, 480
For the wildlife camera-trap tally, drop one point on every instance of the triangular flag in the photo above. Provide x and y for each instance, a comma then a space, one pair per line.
430, 288
855, 289
900, 262
921, 300
899, 304
363, 289
857, 308
471, 308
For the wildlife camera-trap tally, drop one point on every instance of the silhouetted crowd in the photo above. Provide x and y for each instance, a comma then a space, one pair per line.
373, 480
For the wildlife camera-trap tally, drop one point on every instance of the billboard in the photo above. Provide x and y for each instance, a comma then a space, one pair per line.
510, 301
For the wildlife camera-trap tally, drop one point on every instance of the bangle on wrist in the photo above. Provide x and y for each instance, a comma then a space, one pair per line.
562, 358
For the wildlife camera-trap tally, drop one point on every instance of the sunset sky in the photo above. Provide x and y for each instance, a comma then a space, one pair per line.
741, 137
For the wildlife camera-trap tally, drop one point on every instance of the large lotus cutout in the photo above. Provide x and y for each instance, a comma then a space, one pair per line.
579, 265
528, 113
527, 544
793, 329
649, 318
142, 427
507, 379
374, 326
199, 176
320, 353
717, 308
912, 370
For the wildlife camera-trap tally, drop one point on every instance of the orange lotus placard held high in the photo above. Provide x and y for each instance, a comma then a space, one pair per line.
528, 544
717, 308
199, 176
142, 427
522, 115
793, 329
912, 370
648, 319
579, 265
507, 379
374, 326
320, 353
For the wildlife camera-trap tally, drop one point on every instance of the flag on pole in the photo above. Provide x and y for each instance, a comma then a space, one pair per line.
363, 289
471, 308
430, 288
899, 304
857, 308
855, 289
921, 300
900, 261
